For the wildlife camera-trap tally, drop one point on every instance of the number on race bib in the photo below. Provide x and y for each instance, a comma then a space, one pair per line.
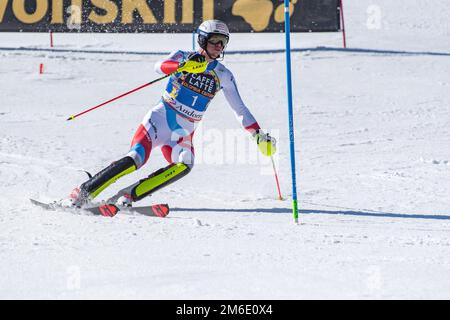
195, 100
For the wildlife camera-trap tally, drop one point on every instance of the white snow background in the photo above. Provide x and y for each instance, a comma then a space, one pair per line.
372, 129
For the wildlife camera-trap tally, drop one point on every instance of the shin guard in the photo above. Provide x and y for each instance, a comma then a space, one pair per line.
108, 176
158, 180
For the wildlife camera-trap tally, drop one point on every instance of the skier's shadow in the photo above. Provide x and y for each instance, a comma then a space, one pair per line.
311, 211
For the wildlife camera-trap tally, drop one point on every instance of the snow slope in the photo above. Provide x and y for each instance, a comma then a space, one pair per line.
373, 166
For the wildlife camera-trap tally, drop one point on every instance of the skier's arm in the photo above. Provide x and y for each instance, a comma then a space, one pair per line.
234, 99
175, 62
170, 64
266, 143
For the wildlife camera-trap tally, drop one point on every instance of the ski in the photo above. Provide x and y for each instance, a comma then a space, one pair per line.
156, 210
108, 210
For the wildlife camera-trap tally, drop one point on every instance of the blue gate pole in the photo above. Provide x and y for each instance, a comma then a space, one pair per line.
287, 31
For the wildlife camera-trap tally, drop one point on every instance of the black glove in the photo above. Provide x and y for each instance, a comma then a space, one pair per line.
195, 56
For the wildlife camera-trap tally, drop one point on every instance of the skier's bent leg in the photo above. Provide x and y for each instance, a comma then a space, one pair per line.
136, 158
180, 155
158, 179
182, 162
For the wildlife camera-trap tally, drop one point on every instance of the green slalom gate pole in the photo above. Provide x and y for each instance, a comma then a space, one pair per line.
287, 31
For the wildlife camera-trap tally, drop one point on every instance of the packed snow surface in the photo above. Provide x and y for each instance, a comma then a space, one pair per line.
372, 130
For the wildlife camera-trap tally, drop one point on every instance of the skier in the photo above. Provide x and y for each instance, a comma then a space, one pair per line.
195, 79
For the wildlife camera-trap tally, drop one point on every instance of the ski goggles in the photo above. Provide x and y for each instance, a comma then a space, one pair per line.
216, 38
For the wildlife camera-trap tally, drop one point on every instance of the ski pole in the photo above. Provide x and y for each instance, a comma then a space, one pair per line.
118, 97
276, 179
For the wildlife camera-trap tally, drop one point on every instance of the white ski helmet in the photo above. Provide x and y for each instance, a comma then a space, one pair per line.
212, 28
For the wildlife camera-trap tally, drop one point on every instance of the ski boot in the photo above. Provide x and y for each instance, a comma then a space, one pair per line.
125, 201
79, 197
